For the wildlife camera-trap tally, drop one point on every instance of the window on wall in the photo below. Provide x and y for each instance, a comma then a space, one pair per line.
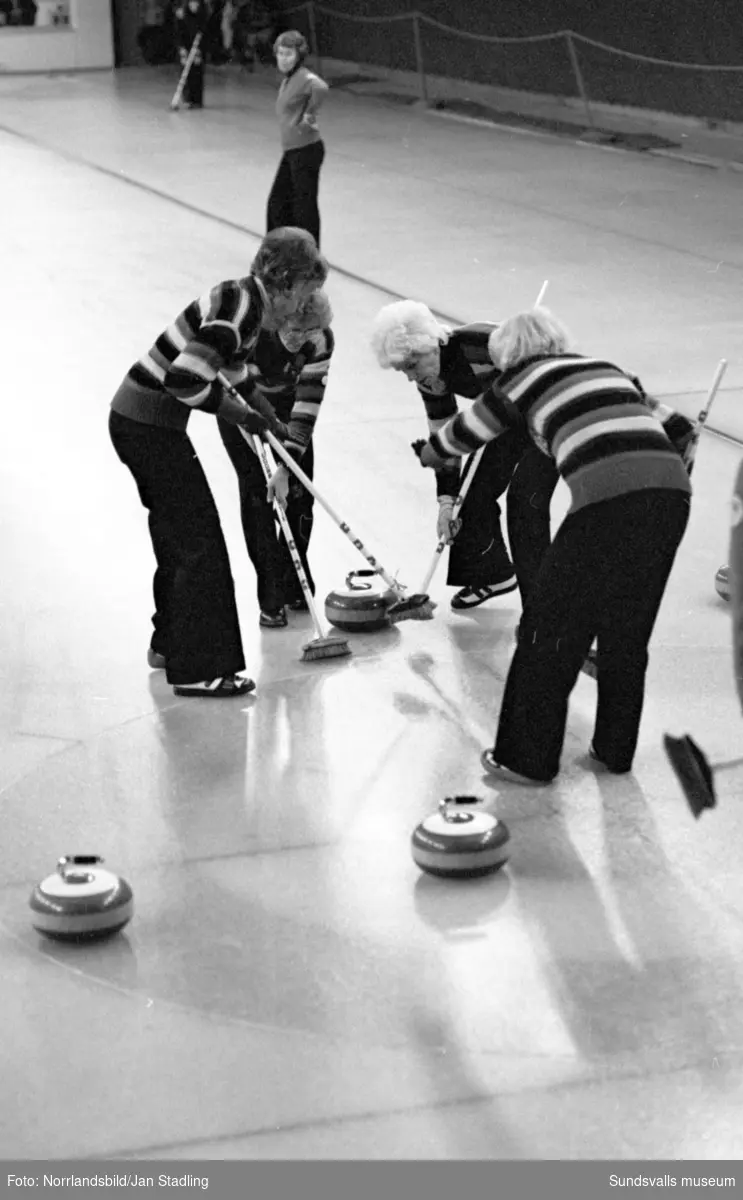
35, 14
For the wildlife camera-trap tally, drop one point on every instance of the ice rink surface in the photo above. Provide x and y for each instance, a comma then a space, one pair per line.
291, 986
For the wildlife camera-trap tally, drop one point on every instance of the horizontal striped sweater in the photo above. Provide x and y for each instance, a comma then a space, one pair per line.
291, 384
217, 332
587, 415
466, 369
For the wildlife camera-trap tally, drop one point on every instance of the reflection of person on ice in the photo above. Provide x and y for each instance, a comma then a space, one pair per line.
190, 23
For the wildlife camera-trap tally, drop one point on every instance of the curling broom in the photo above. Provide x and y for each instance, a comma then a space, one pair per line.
323, 645
693, 771
690, 452
175, 103
412, 608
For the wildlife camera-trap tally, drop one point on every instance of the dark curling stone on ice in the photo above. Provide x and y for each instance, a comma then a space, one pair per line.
722, 583
460, 841
360, 607
81, 901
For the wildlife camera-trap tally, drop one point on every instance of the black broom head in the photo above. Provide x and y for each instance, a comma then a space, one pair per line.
692, 771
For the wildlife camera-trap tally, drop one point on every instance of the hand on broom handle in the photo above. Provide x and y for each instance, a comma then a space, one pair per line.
297, 471
465, 487
690, 452
323, 646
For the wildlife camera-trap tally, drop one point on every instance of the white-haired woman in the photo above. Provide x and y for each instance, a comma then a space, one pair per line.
445, 363
606, 571
288, 370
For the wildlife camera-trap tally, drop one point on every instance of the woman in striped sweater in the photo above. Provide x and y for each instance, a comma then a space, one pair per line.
605, 573
289, 368
196, 630
444, 364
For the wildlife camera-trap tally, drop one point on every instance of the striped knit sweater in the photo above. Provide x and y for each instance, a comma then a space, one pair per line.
293, 384
217, 332
585, 413
466, 370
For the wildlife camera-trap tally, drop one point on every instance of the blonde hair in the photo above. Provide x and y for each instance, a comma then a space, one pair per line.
405, 328
314, 312
525, 335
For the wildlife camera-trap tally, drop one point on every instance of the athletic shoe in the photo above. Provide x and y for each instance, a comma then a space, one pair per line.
471, 597
276, 620
155, 660
506, 775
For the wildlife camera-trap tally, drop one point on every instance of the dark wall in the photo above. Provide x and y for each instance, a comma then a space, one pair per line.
689, 31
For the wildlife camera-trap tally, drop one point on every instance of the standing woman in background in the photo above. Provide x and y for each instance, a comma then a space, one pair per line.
293, 196
191, 19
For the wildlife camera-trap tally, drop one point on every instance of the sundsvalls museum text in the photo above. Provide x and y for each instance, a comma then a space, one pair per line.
668, 1181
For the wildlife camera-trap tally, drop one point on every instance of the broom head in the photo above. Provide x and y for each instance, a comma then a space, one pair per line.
411, 608
692, 771
325, 647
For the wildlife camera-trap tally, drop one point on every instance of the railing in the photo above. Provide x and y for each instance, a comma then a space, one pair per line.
418, 22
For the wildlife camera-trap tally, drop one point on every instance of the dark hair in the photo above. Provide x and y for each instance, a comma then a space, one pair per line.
286, 257
293, 40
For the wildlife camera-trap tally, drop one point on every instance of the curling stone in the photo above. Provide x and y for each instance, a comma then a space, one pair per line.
461, 840
80, 901
722, 583
361, 606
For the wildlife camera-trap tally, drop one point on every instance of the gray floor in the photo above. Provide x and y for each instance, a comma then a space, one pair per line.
291, 986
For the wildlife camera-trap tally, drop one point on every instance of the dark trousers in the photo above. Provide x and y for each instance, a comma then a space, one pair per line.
293, 196
602, 578
478, 555
196, 625
193, 92
268, 552
528, 515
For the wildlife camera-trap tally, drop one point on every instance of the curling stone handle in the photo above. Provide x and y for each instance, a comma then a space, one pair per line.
358, 587
454, 815
72, 867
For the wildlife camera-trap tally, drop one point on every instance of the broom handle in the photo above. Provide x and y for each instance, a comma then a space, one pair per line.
691, 450
268, 467
186, 71
725, 766
722, 367
296, 470
465, 487
287, 459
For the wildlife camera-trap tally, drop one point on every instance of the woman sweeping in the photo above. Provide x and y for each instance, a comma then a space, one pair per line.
606, 571
196, 636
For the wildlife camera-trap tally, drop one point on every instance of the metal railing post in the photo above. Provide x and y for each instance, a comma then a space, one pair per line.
419, 57
579, 78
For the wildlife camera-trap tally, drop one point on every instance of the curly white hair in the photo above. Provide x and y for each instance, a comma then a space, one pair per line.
404, 329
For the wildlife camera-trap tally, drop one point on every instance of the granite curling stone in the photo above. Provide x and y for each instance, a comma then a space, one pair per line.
461, 840
81, 901
360, 607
